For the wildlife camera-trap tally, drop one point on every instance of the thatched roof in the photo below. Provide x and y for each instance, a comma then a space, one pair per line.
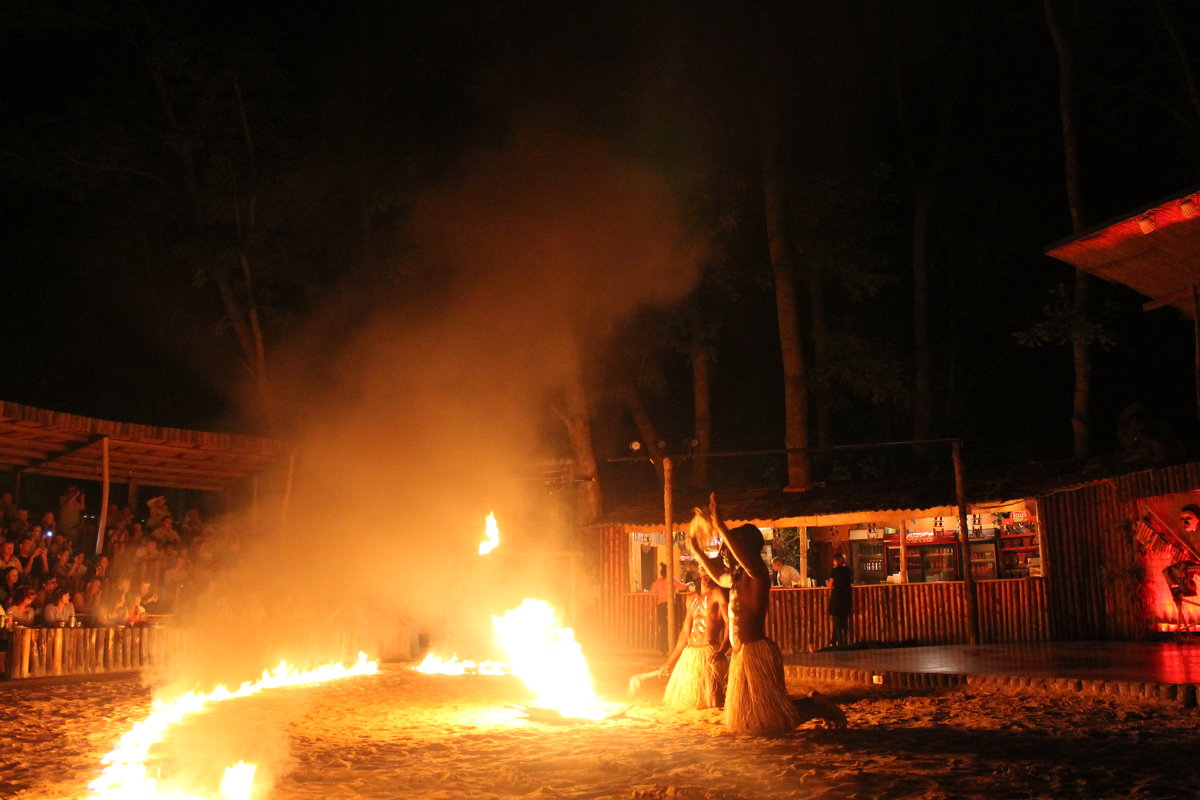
34, 440
1154, 250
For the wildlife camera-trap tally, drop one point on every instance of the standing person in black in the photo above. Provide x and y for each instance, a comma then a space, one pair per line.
841, 600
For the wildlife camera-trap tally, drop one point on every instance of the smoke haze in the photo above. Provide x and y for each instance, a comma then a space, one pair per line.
430, 416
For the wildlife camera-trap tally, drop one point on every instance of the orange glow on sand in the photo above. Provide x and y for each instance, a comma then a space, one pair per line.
126, 776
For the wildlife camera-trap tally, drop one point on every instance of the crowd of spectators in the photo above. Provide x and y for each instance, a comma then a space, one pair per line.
53, 576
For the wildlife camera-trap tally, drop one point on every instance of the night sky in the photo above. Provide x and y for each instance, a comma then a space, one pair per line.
116, 193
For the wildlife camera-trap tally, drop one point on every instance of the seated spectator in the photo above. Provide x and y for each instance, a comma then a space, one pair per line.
192, 528
8, 555
149, 562
59, 612
117, 533
175, 581
10, 585
70, 513
158, 508
20, 526
20, 611
100, 569
89, 602
31, 552
60, 565
135, 612
165, 533
8, 507
45, 593
147, 598
113, 609
76, 572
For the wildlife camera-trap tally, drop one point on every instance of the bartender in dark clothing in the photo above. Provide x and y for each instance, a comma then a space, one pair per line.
841, 600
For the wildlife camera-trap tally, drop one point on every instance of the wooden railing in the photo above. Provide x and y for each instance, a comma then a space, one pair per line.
918, 613
47, 652
40, 652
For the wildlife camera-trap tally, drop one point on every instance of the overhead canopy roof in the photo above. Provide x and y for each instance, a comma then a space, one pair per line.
1155, 251
34, 440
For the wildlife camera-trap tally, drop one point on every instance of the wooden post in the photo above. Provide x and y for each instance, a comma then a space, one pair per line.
131, 496
903, 551
803, 555
669, 512
102, 525
964, 547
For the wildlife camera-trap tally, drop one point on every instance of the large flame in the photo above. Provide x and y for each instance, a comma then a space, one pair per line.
543, 655
491, 535
126, 775
548, 659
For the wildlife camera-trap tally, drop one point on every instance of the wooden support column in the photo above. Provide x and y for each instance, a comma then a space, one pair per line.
131, 496
802, 555
672, 561
964, 547
104, 478
903, 551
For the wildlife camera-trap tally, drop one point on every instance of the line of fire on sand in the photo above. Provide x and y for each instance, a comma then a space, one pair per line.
126, 776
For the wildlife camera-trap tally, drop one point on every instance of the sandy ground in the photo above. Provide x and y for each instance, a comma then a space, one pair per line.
401, 734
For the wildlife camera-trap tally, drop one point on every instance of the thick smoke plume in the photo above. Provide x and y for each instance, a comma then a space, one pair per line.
431, 415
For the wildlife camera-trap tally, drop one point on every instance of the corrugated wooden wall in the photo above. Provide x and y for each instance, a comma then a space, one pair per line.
923, 613
1091, 564
928, 613
1012, 611
1090, 590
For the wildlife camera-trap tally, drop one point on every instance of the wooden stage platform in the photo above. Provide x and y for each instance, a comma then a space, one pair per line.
1167, 671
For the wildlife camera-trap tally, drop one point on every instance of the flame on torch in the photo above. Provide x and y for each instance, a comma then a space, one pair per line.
491, 535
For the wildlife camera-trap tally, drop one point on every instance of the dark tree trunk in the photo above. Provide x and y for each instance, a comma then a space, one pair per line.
1080, 356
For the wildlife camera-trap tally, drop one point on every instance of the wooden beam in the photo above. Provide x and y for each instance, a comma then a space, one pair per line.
54, 456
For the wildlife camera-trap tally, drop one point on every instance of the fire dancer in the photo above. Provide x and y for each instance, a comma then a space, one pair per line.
757, 699
699, 666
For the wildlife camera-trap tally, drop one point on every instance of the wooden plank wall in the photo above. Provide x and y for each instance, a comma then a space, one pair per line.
925, 613
922, 613
1012, 611
1074, 528
1092, 570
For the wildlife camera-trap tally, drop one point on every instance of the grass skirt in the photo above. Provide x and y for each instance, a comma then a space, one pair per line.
698, 680
757, 701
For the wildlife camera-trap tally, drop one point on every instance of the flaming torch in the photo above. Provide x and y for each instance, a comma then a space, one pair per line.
491, 535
